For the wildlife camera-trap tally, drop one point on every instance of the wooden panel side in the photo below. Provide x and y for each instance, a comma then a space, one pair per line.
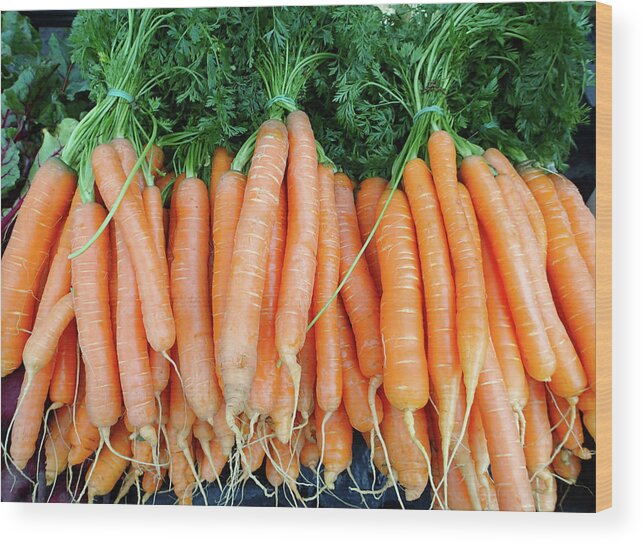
604, 256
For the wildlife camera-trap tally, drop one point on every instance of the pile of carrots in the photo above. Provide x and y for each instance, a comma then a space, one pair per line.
259, 319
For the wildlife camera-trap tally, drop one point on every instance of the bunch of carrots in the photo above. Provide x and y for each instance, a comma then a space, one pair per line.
178, 331
261, 318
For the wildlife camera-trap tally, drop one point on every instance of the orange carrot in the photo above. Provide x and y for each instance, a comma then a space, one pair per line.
569, 378
221, 161
131, 348
355, 385
566, 425
582, 221
82, 436
153, 207
439, 294
91, 304
127, 155
506, 455
283, 405
191, 301
567, 466
300, 259
538, 445
56, 448
336, 443
263, 385
502, 165
368, 194
225, 217
329, 365
406, 459
237, 349
212, 471
308, 362
358, 293
62, 388
406, 377
283, 465
108, 467
503, 332
587, 405
538, 356
471, 312
130, 216
41, 346
571, 282
44, 207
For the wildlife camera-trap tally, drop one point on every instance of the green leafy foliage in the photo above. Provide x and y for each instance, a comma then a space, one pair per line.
41, 87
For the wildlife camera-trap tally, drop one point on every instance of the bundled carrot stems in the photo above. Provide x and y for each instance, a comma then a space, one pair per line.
281, 227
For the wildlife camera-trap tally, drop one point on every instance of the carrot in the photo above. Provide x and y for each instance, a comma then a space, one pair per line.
283, 405
156, 159
263, 385
479, 454
439, 294
62, 388
131, 348
368, 194
190, 299
41, 346
538, 439
153, 207
569, 378
506, 455
221, 161
253, 450
56, 448
222, 432
358, 292
127, 155
212, 470
587, 406
91, 304
355, 385
300, 258
406, 377
44, 207
571, 282
130, 216
237, 349
502, 165
308, 362
82, 436
204, 434
538, 356
183, 481
471, 312
283, 466
309, 455
566, 425
406, 459
163, 181
538, 445
503, 332
106, 470
329, 365
567, 466
582, 221
225, 217
336, 443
